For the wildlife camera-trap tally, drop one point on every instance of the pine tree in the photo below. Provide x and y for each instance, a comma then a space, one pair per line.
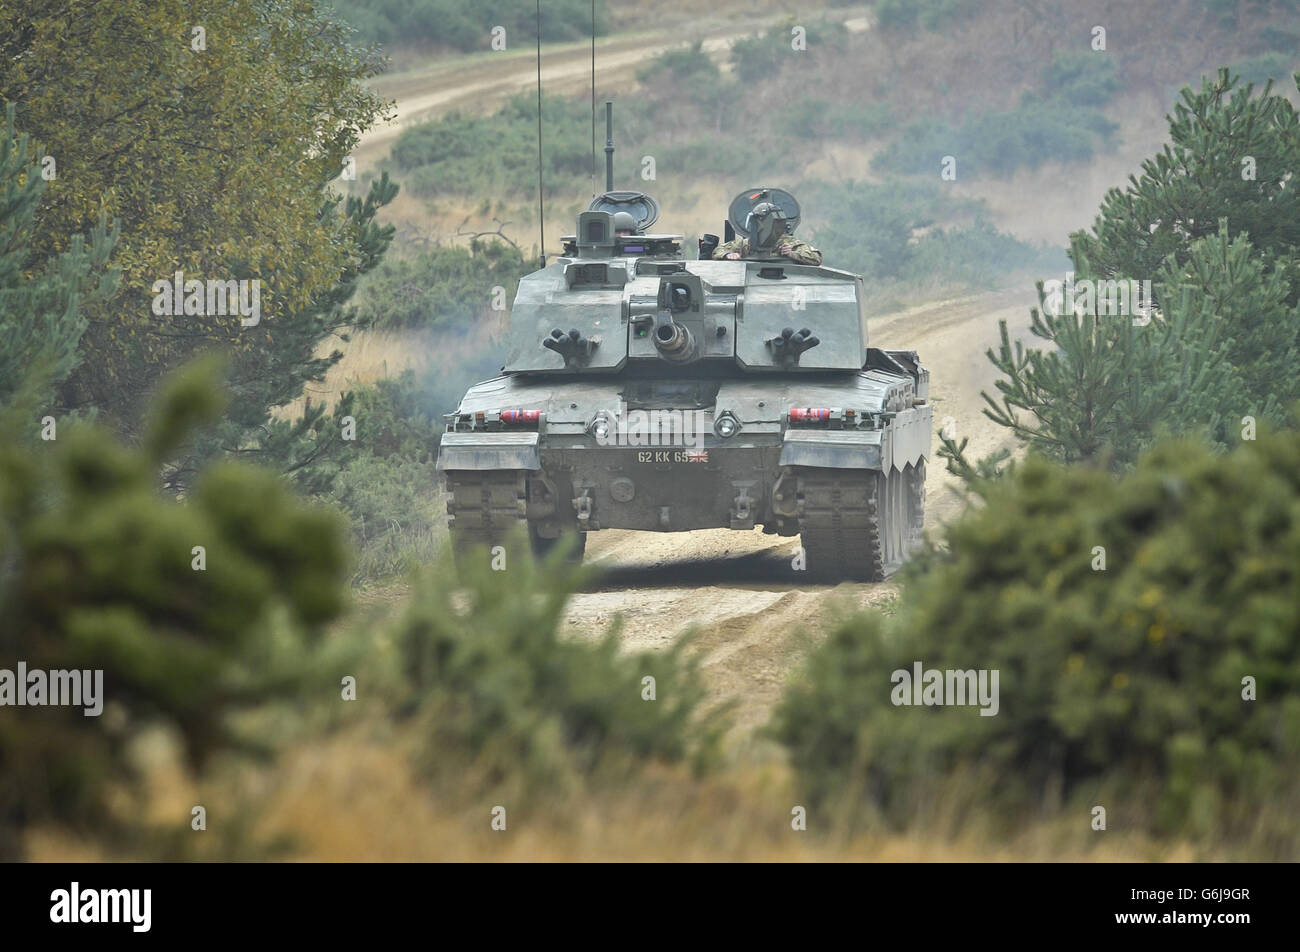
193, 610
41, 299
1214, 224
1231, 155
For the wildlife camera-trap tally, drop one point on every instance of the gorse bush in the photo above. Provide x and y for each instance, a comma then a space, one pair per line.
484, 668
98, 571
1122, 682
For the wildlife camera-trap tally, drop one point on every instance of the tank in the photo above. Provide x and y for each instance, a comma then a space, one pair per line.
646, 390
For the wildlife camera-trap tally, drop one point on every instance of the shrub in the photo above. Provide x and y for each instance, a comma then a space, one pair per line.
446, 287
465, 24
888, 232
486, 670
97, 571
1121, 686
496, 154
997, 144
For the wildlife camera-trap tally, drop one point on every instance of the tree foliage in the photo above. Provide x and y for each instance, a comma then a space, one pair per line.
1232, 155
41, 298
1221, 251
212, 149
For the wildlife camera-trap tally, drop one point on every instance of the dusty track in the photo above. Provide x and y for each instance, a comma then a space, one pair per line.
483, 81
755, 615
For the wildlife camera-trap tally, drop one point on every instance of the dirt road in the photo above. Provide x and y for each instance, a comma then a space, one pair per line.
484, 80
755, 615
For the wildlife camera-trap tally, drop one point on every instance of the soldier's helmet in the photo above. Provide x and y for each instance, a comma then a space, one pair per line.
766, 225
624, 223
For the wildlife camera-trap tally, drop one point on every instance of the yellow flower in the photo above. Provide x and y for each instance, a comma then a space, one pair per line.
1120, 681
1074, 664
1156, 634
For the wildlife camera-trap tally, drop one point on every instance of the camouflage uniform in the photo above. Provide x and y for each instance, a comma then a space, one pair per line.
800, 251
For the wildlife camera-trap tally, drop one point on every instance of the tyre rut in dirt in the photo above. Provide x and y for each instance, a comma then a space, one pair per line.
486, 509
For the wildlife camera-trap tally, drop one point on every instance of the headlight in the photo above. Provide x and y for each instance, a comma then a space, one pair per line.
600, 429
726, 426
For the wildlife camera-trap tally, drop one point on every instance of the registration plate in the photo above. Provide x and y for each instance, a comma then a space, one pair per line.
672, 456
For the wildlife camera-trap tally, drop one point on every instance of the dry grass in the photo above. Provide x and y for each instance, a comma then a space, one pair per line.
353, 798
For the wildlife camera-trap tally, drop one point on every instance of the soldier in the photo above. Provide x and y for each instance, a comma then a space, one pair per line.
771, 236
624, 224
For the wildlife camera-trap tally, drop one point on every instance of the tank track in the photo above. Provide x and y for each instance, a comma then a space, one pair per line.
859, 524
486, 508
490, 508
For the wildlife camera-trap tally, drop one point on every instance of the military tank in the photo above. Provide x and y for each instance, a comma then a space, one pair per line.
645, 390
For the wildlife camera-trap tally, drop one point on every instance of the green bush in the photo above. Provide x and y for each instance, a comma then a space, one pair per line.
466, 24
1121, 687
98, 571
496, 154
934, 15
1080, 78
888, 232
997, 144
446, 287
482, 665
757, 59
387, 484
687, 65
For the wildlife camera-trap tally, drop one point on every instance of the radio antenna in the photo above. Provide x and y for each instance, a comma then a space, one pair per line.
541, 200
593, 98
609, 146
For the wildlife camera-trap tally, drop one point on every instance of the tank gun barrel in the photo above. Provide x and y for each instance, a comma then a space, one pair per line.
671, 339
